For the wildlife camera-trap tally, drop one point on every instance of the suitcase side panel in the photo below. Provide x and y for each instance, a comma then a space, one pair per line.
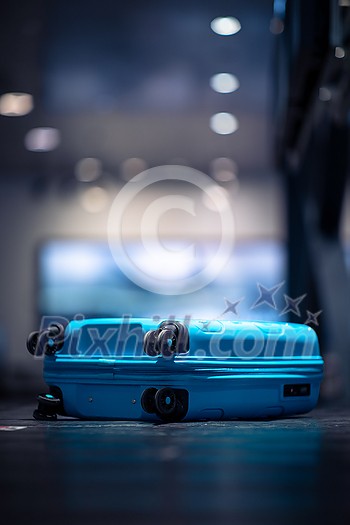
211, 395
232, 369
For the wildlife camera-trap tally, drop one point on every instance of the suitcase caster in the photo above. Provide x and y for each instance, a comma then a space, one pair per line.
160, 342
48, 408
169, 339
169, 404
48, 341
166, 403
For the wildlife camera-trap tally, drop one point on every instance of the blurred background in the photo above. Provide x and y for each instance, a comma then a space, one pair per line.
252, 94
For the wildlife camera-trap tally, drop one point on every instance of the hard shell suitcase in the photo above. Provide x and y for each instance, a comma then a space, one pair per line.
143, 369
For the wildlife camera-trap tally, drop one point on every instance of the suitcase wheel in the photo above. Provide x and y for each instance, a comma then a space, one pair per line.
32, 342
150, 343
49, 341
54, 338
148, 401
169, 404
166, 341
48, 406
170, 338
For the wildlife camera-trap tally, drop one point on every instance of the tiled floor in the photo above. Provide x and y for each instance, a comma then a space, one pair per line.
291, 471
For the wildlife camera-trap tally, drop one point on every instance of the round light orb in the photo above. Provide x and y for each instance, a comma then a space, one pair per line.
225, 25
224, 123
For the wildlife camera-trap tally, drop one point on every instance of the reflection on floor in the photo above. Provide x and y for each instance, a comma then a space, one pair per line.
291, 471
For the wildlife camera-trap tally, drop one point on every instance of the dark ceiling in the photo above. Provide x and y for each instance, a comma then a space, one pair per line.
131, 79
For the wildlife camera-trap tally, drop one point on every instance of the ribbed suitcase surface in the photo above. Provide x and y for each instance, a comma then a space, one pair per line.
183, 370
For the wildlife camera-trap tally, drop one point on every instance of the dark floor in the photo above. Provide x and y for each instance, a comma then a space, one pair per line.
292, 471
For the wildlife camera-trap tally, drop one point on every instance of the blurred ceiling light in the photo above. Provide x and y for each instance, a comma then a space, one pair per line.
224, 169
224, 83
224, 123
16, 104
324, 94
225, 25
220, 200
94, 199
88, 169
339, 52
42, 139
132, 167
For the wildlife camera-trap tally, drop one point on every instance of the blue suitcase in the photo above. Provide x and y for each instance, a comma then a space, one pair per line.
143, 369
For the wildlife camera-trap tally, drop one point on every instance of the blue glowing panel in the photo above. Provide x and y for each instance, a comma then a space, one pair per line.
82, 277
